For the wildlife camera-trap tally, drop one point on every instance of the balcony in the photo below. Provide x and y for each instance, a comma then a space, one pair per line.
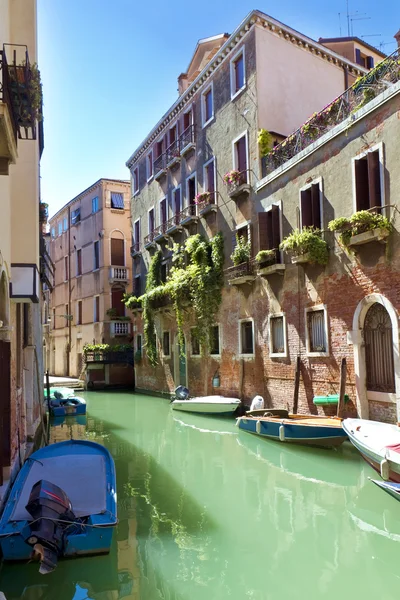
173, 154
241, 274
364, 90
24, 89
8, 124
107, 357
118, 275
135, 250
149, 241
160, 233
187, 141
120, 328
189, 215
239, 188
160, 166
206, 203
47, 267
174, 225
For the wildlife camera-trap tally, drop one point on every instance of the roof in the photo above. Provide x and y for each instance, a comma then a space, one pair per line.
352, 39
87, 190
254, 17
213, 38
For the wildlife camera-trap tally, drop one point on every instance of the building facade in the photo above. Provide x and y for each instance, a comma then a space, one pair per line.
230, 91
21, 145
89, 245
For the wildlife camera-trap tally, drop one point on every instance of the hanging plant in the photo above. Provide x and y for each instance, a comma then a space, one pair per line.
360, 222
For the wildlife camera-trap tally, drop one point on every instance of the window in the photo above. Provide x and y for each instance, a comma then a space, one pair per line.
317, 331
96, 255
117, 200
60, 228
137, 286
191, 189
166, 346
66, 270
136, 181
76, 216
96, 309
136, 235
151, 220
363, 60
172, 135
65, 223
117, 252
117, 301
159, 148
209, 179
163, 211
246, 337
78, 262
207, 105
95, 204
277, 335
149, 165
54, 317
79, 313
240, 157
53, 232
139, 342
194, 341
269, 230
368, 174
238, 79
176, 197
214, 340
310, 206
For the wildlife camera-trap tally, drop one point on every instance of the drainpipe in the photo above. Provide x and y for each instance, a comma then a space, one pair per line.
69, 295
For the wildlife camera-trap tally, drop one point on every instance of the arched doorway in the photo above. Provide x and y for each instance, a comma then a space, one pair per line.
375, 339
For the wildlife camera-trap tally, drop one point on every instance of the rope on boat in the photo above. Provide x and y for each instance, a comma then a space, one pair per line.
70, 523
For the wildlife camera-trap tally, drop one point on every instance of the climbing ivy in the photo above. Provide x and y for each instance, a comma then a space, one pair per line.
195, 282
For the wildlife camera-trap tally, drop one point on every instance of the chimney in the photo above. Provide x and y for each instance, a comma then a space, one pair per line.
397, 36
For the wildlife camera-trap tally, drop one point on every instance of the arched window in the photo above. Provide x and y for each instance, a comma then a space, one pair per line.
378, 338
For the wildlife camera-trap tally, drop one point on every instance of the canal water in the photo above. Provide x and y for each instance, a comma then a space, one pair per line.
209, 513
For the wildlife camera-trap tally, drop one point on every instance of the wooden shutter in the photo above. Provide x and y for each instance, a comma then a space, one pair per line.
276, 231
362, 193
116, 302
163, 211
263, 231
374, 180
359, 60
370, 62
316, 206
210, 177
306, 208
177, 201
241, 156
117, 252
151, 221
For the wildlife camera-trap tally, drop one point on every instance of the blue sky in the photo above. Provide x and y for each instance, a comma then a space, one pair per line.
110, 68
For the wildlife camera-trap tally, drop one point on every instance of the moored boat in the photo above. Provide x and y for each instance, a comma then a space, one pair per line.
390, 487
299, 429
62, 504
215, 405
379, 444
63, 402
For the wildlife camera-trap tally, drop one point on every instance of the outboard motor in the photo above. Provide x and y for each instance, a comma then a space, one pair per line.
181, 392
48, 504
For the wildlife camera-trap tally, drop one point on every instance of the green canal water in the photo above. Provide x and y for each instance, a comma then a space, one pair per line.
209, 513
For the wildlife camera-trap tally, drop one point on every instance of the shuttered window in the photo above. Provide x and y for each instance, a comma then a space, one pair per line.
194, 343
317, 338
269, 231
166, 348
163, 211
117, 200
209, 182
117, 296
214, 340
368, 182
277, 335
246, 337
310, 206
151, 220
241, 158
177, 200
117, 252
76, 216
96, 255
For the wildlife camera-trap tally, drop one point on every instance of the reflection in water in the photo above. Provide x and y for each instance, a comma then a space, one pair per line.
207, 512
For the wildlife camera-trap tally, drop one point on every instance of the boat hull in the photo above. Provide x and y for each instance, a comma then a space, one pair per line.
94, 536
73, 406
295, 433
203, 408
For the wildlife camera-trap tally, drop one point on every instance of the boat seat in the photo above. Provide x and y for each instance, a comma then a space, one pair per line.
269, 412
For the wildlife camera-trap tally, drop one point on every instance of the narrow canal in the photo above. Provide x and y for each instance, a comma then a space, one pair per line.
207, 512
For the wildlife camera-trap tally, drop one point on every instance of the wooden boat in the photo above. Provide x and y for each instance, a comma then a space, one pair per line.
379, 444
390, 487
62, 504
63, 402
299, 429
211, 405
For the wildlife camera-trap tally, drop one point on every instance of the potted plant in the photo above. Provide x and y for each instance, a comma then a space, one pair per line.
232, 178
352, 230
264, 258
112, 313
203, 197
306, 246
241, 253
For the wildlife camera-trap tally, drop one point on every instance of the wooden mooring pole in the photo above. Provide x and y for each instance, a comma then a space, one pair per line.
296, 386
343, 375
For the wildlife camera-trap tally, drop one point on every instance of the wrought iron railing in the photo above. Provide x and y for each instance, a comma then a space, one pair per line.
186, 138
160, 230
5, 91
188, 211
135, 249
160, 163
173, 152
47, 267
173, 221
149, 239
206, 200
109, 357
234, 185
365, 89
247, 268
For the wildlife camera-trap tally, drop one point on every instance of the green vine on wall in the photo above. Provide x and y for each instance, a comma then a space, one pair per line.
195, 281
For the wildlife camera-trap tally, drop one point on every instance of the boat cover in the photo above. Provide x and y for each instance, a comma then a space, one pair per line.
81, 476
394, 448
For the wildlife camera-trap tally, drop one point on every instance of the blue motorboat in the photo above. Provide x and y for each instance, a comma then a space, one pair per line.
63, 402
279, 425
390, 487
62, 504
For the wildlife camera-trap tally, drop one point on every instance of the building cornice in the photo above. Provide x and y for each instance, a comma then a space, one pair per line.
254, 18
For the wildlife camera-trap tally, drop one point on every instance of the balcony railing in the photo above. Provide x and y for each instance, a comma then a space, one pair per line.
160, 165
365, 89
110, 357
160, 232
149, 240
120, 328
173, 153
240, 187
206, 203
186, 139
243, 273
119, 274
5, 92
174, 223
189, 214
47, 267
135, 249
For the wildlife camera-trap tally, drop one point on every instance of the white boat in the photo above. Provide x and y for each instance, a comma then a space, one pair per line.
379, 444
212, 405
